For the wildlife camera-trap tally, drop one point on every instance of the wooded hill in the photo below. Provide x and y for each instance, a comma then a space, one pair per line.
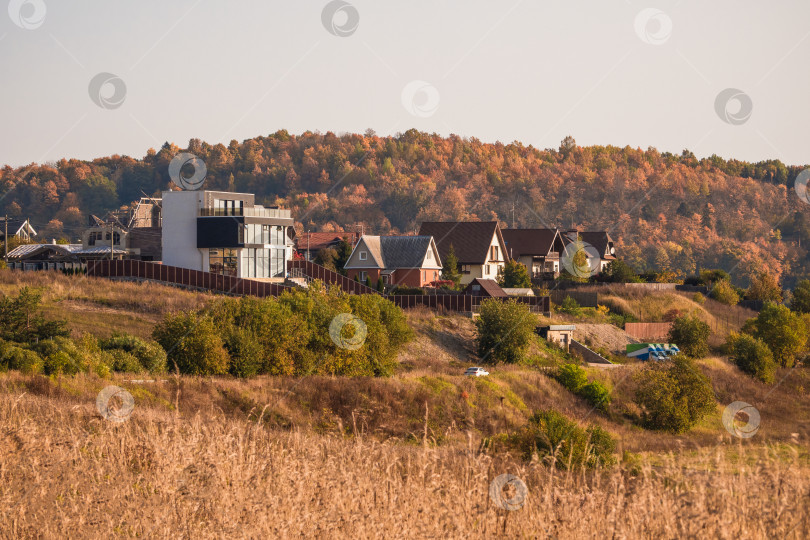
665, 211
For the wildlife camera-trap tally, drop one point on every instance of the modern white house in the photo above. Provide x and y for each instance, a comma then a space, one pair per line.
226, 233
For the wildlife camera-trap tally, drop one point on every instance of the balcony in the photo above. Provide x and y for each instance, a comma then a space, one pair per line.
257, 211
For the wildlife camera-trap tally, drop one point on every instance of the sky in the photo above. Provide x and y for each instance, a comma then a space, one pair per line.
91, 78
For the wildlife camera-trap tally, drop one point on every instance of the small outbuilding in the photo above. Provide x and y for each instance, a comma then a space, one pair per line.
561, 334
487, 288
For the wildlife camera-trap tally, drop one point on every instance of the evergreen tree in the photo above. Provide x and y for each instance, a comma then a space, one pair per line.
450, 270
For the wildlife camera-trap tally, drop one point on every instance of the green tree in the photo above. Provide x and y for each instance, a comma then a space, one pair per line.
783, 331
618, 271
724, 292
504, 330
380, 284
327, 258
801, 297
21, 320
752, 356
344, 251
514, 275
764, 287
673, 396
450, 270
192, 343
691, 335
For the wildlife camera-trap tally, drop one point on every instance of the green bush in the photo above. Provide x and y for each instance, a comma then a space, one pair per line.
554, 438
245, 351
597, 394
783, 331
572, 376
698, 298
752, 356
192, 343
575, 379
504, 330
691, 335
724, 292
150, 355
570, 307
23, 360
673, 396
122, 361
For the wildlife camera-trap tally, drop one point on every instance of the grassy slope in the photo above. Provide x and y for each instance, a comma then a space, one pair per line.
429, 378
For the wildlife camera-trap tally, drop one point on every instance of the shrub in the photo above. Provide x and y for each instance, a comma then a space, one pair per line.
192, 344
575, 379
597, 394
405, 290
698, 298
504, 330
150, 355
783, 331
245, 351
673, 396
555, 438
752, 356
572, 376
691, 335
725, 293
122, 361
23, 360
570, 306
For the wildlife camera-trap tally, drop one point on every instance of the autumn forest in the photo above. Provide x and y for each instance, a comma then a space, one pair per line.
665, 211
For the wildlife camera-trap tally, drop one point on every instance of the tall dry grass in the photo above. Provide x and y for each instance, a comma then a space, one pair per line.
66, 472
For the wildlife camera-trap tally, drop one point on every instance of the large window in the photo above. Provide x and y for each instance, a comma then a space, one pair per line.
264, 263
224, 207
222, 261
264, 234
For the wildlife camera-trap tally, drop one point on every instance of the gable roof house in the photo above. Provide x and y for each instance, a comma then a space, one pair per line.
311, 243
478, 245
21, 228
600, 240
487, 288
400, 260
539, 250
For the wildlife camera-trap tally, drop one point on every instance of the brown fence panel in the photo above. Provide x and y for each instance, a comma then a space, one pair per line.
648, 331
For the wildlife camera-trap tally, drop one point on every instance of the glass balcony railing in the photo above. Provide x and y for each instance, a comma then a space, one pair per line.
259, 211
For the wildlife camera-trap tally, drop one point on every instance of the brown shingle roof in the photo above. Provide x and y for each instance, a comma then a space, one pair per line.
533, 242
489, 287
320, 240
470, 239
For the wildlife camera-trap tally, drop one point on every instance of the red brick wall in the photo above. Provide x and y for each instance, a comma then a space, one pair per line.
411, 277
374, 274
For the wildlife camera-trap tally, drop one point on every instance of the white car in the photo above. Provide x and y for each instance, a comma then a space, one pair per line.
476, 372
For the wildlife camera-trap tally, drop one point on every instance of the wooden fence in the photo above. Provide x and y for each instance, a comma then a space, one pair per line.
462, 302
583, 298
183, 277
648, 331
313, 271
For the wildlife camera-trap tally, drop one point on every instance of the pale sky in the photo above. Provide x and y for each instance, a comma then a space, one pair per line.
620, 72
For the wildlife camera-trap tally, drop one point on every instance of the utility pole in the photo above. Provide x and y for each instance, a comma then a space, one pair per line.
5, 240
112, 236
307, 244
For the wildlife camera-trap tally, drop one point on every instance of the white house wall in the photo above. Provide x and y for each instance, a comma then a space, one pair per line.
180, 209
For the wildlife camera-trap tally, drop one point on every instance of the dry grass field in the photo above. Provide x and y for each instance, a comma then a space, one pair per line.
65, 472
405, 456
